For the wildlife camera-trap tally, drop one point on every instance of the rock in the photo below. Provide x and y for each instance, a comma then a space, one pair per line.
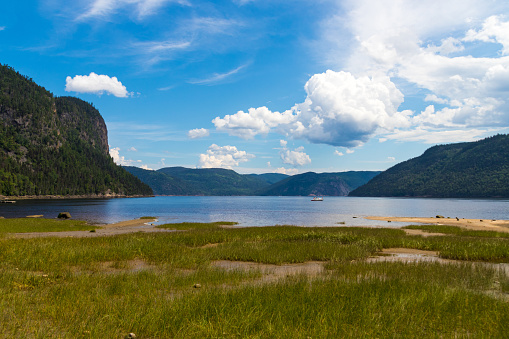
64, 215
457, 219
130, 336
197, 286
439, 216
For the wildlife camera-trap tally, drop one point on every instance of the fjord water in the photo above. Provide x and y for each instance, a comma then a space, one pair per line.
261, 211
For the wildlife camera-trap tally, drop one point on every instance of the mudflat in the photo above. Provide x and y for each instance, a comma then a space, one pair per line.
122, 227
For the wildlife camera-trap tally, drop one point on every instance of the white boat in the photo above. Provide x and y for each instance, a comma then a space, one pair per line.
317, 199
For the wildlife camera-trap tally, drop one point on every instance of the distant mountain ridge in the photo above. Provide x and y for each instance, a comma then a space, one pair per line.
320, 184
55, 145
477, 169
223, 182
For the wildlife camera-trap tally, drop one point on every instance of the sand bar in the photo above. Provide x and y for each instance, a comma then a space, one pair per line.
122, 227
471, 224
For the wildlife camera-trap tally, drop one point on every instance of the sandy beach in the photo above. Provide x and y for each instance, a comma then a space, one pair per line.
471, 224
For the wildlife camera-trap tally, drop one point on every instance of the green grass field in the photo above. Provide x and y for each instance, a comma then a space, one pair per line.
107, 287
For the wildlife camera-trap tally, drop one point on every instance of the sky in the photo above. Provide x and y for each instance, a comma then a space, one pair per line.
271, 86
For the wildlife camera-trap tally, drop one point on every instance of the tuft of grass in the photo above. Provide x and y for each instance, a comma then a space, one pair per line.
148, 218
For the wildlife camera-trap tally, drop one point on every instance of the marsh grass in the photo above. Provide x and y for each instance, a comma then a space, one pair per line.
455, 230
106, 287
24, 225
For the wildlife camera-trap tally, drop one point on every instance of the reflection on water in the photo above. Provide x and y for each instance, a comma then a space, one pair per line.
261, 211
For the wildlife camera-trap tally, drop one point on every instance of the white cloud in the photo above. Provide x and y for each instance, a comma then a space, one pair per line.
217, 77
287, 171
338, 153
439, 136
132, 149
96, 84
255, 121
142, 8
340, 110
295, 158
349, 151
283, 143
2, 28
391, 159
121, 160
493, 30
223, 157
145, 167
198, 133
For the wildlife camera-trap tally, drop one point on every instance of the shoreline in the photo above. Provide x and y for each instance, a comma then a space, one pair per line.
82, 196
470, 224
122, 227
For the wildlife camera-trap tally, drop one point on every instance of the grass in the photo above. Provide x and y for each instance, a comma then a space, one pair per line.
24, 225
106, 287
455, 230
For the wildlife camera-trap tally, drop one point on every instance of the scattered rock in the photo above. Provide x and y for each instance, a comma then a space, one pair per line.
64, 215
439, 216
457, 219
389, 221
130, 336
197, 286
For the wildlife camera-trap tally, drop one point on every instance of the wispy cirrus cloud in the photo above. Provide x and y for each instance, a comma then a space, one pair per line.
218, 77
141, 8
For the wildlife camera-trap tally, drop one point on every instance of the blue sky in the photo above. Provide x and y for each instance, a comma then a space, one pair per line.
264, 86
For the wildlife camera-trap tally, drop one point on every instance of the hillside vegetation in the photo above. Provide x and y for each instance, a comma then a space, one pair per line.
465, 170
55, 145
219, 182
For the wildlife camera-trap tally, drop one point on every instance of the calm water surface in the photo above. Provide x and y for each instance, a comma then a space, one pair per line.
261, 211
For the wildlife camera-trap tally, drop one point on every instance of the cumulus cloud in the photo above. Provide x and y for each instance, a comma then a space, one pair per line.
198, 133
393, 49
96, 84
296, 157
340, 110
121, 160
338, 153
287, 171
223, 157
255, 121
493, 30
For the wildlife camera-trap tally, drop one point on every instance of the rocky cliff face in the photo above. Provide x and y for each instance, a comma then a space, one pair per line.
55, 145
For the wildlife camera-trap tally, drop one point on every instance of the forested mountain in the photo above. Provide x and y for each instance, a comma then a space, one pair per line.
205, 181
217, 181
320, 184
465, 170
55, 145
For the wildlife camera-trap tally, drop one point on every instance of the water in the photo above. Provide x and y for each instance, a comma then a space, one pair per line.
261, 211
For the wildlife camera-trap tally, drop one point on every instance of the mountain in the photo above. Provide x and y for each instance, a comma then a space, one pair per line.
320, 184
55, 145
465, 170
219, 182
205, 181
